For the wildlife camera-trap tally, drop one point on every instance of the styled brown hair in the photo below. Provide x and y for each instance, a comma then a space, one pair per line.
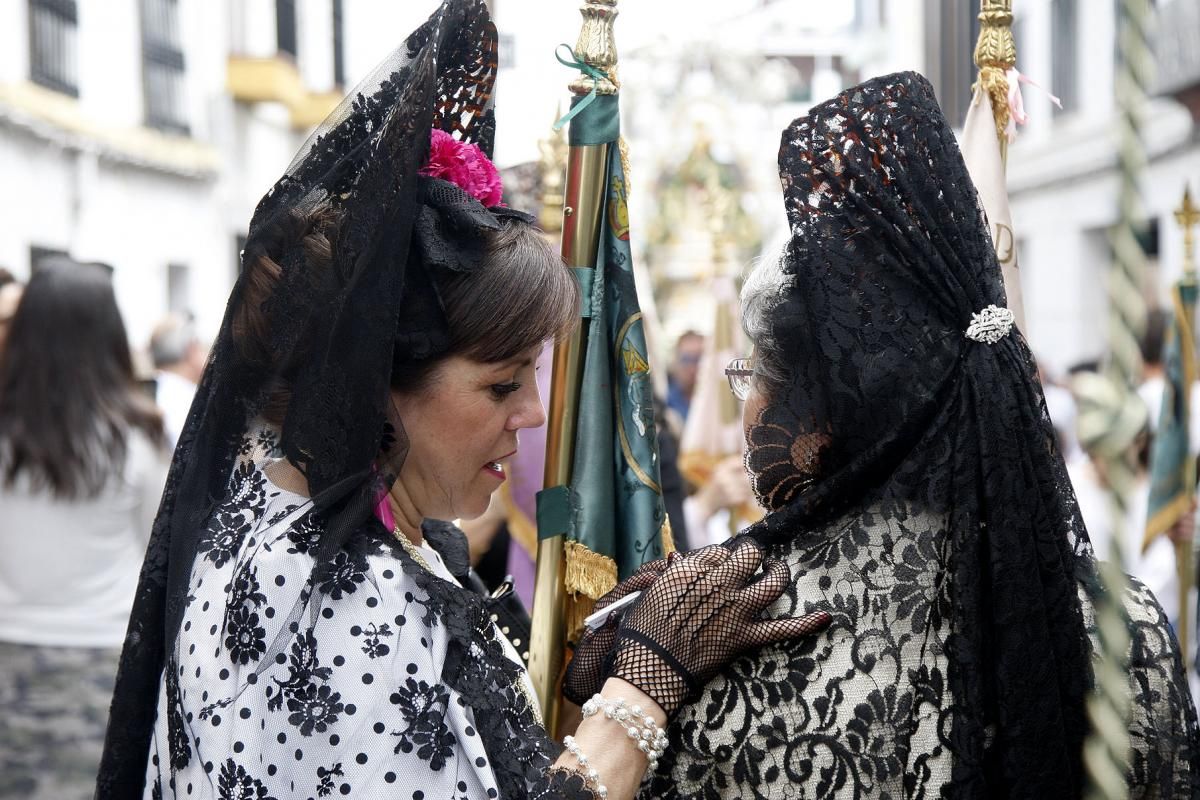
520, 295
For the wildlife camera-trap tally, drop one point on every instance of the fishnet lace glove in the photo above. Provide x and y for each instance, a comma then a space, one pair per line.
585, 673
701, 613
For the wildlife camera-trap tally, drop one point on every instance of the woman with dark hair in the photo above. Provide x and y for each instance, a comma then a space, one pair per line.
898, 438
81, 469
305, 622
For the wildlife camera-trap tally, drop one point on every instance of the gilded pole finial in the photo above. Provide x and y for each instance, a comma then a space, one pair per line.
597, 45
1188, 217
995, 55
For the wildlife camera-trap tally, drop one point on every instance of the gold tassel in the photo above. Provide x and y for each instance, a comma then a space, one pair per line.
589, 576
587, 571
995, 54
995, 82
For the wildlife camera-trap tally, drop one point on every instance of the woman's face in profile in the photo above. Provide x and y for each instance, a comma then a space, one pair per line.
462, 431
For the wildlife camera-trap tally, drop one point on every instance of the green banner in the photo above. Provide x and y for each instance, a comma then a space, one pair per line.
617, 517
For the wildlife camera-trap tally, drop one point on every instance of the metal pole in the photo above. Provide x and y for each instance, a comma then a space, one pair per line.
583, 203
1188, 215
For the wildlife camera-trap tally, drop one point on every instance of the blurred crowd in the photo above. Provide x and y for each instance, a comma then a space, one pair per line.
1084, 387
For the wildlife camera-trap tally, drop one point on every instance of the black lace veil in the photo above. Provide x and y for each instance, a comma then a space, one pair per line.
329, 337
884, 413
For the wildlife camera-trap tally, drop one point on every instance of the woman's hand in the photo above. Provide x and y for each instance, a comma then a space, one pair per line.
703, 611
585, 673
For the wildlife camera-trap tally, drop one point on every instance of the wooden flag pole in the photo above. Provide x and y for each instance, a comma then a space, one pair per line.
1187, 216
583, 203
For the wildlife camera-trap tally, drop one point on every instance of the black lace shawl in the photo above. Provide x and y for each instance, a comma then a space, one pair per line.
331, 336
917, 492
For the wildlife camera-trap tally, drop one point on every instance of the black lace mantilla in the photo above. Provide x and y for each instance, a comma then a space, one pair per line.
859, 711
916, 490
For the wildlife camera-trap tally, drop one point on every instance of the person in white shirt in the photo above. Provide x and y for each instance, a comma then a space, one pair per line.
81, 469
179, 360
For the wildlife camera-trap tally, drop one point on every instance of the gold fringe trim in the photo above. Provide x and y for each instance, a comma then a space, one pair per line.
588, 576
588, 572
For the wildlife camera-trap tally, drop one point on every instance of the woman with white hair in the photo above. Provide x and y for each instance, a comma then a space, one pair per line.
898, 438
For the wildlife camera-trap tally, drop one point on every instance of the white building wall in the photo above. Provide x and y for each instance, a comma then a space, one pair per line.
207, 43
14, 55
315, 42
86, 176
374, 28
531, 88
110, 62
898, 44
36, 208
1063, 188
253, 26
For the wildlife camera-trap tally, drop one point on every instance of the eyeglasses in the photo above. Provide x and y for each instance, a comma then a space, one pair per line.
739, 372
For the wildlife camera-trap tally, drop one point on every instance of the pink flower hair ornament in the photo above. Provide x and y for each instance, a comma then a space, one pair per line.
464, 165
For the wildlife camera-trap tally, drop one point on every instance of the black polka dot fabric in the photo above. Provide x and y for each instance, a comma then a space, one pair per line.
287, 682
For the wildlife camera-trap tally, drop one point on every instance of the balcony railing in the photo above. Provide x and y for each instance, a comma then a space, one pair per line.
53, 54
285, 27
163, 66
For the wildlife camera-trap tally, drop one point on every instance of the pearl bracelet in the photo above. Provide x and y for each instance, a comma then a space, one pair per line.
639, 725
590, 776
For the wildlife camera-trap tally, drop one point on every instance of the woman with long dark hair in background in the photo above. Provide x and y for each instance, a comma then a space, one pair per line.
81, 469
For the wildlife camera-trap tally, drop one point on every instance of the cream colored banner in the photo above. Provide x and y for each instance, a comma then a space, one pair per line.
981, 150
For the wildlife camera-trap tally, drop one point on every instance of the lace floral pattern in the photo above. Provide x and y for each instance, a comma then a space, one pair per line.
856, 713
424, 709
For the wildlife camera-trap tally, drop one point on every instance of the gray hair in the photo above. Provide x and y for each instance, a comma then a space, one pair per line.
762, 290
170, 340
